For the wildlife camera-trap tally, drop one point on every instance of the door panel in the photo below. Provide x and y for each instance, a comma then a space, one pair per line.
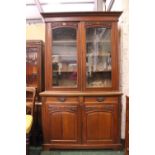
98, 122
63, 123
102, 126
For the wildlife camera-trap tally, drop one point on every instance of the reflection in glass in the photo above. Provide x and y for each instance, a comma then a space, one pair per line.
98, 57
31, 66
64, 57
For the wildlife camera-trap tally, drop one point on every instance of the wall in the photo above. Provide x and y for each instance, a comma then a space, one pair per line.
35, 31
122, 5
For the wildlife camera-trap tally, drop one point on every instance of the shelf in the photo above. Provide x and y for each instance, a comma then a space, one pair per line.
76, 71
61, 42
95, 55
93, 41
65, 55
101, 71
64, 71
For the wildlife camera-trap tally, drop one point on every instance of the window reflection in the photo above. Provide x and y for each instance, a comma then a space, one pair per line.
98, 57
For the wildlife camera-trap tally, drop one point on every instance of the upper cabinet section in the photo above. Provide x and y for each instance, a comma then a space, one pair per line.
81, 51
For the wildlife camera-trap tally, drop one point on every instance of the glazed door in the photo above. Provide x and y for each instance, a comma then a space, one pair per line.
32, 66
99, 124
64, 55
63, 124
99, 57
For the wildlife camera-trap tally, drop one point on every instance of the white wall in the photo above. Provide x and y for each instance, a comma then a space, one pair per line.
122, 5
35, 31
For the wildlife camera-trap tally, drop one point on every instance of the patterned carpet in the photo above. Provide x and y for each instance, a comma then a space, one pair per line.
39, 151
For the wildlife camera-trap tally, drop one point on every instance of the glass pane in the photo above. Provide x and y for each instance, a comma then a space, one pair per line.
98, 57
31, 66
64, 57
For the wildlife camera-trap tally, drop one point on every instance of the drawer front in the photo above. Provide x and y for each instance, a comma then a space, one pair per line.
62, 99
100, 99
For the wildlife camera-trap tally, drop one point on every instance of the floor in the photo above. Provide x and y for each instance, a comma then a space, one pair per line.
39, 151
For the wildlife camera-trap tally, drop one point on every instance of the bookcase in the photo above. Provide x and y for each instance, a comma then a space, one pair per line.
81, 103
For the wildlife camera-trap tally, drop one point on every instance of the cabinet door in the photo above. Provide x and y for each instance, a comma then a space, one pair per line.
100, 54
99, 123
63, 56
32, 66
63, 124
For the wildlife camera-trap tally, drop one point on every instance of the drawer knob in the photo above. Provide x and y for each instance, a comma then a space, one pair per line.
62, 99
100, 99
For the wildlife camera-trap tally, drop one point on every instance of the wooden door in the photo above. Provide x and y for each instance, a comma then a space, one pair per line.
63, 124
99, 124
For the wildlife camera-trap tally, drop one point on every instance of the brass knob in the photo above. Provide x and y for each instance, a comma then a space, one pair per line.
62, 99
100, 99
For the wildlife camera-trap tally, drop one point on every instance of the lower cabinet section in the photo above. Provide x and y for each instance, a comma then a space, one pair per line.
98, 124
81, 125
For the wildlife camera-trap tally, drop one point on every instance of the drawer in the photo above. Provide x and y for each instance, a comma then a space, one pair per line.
62, 99
100, 99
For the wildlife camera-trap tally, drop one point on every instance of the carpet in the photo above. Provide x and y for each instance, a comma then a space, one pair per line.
39, 151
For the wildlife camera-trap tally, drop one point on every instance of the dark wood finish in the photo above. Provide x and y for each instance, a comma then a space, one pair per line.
80, 93
81, 117
63, 124
81, 16
100, 99
35, 47
98, 124
90, 123
127, 127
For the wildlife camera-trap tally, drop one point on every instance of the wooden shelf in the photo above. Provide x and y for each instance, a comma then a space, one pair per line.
61, 42
65, 55
96, 55
93, 41
102, 71
65, 71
